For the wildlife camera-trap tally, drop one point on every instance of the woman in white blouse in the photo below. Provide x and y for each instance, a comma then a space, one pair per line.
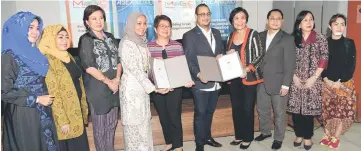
135, 86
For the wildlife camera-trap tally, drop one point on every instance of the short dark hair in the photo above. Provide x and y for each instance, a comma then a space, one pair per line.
159, 18
334, 18
200, 5
274, 10
90, 10
236, 11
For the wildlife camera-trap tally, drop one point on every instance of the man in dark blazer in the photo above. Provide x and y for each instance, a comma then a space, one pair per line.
203, 41
277, 67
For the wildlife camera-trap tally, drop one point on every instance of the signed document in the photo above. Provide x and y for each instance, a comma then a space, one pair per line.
226, 68
170, 73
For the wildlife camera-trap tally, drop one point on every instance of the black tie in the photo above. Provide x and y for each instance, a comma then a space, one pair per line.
164, 54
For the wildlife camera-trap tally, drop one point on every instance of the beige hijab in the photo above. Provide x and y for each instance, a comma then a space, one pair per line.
129, 33
48, 45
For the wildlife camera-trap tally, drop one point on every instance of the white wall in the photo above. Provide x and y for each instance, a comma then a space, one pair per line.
322, 10
49, 11
257, 11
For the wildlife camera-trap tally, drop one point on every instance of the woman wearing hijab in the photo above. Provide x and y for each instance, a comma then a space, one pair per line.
64, 82
135, 86
99, 58
28, 123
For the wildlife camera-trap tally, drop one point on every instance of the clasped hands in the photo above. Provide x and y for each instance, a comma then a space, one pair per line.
304, 84
112, 84
333, 84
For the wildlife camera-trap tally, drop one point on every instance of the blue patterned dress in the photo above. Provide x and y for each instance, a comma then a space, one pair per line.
28, 126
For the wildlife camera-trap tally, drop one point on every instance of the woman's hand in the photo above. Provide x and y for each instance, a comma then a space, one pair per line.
111, 85
337, 84
65, 129
45, 100
310, 82
162, 90
230, 51
189, 84
297, 81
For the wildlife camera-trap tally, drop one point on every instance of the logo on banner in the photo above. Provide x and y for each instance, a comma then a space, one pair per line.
184, 4
84, 3
123, 4
218, 2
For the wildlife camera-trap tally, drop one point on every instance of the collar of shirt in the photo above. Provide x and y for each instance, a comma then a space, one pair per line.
92, 33
211, 40
206, 33
272, 35
270, 38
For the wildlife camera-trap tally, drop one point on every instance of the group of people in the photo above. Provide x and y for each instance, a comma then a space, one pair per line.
46, 92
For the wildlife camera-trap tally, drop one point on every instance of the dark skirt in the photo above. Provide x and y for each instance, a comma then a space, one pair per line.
75, 144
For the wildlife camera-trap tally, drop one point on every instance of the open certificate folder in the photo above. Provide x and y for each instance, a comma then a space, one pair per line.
226, 68
170, 73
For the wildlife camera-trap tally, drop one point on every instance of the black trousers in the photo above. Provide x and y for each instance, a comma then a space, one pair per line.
243, 99
169, 108
205, 103
75, 144
303, 125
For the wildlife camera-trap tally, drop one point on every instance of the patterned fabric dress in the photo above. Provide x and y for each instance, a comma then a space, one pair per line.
27, 124
339, 106
134, 97
313, 55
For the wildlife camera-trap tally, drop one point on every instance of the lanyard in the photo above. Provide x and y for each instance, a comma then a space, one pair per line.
211, 39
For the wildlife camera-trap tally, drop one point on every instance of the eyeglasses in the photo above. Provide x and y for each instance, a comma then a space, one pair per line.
164, 27
205, 14
275, 19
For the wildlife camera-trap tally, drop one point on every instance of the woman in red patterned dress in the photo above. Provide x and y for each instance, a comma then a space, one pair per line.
305, 92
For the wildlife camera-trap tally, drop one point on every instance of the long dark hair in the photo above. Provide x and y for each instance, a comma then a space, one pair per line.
297, 32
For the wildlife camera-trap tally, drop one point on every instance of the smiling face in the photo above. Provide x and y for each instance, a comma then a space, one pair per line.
62, 40
275, 20
33, 33
96, 21
203, 16
338, 27
240, 21
164, 29
307, 23
141, 26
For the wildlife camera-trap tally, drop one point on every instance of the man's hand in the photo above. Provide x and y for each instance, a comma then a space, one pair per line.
200, 76
283, 92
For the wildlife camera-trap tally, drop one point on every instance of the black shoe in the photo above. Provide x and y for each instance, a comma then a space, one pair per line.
245, 146
199, 147
213, 143
307, 147
276, 144
262, 137
296, 144
236, 142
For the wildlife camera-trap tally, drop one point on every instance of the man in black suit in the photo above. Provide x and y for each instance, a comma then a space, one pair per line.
203, 40
277, 67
